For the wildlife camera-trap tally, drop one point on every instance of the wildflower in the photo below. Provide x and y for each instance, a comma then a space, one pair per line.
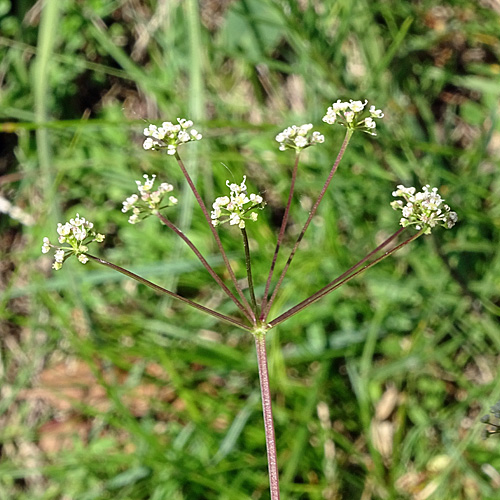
298, 138
46, 245
424, 210
76, 234
149, 202
169, 136
352, 115
236, 208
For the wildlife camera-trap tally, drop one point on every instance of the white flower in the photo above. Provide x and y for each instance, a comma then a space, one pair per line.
64, 229
195, 135
349, 116
169, 136
185, 123
221, 201
236, 208
77, 234
357, 106
317, 138
133, 219
298, 137
303, 129
352, 115
339, 106
150, 201
184, 136
330, 117
376, 113
370, 125
301, 142
80, 221
59, 256
146, 187
46, 245
129, 203
149, 131
425, 209
404, 191
234, 218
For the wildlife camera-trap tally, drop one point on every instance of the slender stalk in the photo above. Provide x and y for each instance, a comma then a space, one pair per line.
196, 94
281, 234
206, 265
217, 239
160, 289
272, 461
312, 213
342, 279
44, 61
248, 264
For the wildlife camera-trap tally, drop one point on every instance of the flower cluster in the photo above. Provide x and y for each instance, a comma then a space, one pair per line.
424, 210
169, 136
299, 138
149, 202
77, 234
232, 208
352, 115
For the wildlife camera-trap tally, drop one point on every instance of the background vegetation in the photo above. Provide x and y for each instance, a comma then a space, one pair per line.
111, 392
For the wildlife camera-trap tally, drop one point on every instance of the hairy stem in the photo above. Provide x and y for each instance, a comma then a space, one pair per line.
280, 235
272, 461
160, 289
250, 314
312, 213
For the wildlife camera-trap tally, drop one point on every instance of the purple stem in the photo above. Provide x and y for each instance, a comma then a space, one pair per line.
207, 266
306, 225
280, 235
344, 278
250, 314
272, 461
160, 289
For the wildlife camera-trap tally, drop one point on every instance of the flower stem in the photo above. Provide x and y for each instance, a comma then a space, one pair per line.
206, 265
199, 199
312, 213
160, 289
248, 263
344, 278
272, 461
281, 234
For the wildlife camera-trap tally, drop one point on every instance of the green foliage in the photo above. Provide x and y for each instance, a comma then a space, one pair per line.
378, 388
